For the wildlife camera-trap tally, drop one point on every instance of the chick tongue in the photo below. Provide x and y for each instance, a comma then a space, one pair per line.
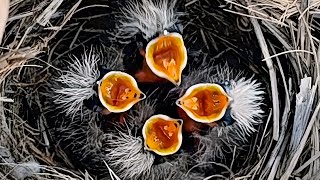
165, 134
120, 90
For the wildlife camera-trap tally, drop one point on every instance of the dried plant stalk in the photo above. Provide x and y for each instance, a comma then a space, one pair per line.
4, 12
273, 78
291, 22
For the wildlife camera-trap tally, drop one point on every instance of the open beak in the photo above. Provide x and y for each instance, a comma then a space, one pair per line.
118, 91
166, 56
162, 134
204, 102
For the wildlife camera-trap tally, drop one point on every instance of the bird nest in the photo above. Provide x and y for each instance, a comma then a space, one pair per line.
49, 58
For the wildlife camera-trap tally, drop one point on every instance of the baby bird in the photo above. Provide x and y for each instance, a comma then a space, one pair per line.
98, 83
219, 105
158, 43
138, 153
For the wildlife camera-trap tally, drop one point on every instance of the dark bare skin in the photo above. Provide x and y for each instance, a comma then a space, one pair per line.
105, 111
145, 74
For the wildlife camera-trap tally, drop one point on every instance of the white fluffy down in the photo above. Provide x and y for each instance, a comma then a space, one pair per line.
126, 153
77, 82
246, 104
247, 97
125, 150
148, 17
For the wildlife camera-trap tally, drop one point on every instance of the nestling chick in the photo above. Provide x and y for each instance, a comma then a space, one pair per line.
97, 83
234, 108
158, 40
162, 134
126, 150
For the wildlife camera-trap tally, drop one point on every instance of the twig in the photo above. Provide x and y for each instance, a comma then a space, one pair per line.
286, 52
273, 78
76, 36
255, 17
278, 150
4, 12
67, 18
275, 168
46, 15
91, 6
233, 156
4, 99
265, 130
218, 164
302, 167
215, 176
204, 38
252, 11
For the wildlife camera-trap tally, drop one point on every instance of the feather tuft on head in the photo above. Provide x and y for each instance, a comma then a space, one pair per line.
247, 96
147, 17
126, 153
125, 150
246, 105
76, 83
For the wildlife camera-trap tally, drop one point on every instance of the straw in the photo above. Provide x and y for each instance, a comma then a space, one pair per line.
285, 31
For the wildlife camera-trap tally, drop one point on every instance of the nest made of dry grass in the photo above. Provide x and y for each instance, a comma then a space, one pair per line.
285, 32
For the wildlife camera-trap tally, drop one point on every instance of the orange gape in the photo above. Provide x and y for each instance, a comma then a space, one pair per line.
118, 91
206, 102
167, 56
162, 134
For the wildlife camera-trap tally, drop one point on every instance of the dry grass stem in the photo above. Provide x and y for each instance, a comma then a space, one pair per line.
278, 40
273, 79
4, 13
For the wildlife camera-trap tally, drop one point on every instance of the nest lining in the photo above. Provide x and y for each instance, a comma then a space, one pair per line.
206, 36
113, 150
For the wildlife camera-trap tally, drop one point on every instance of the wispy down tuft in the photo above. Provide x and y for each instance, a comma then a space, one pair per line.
219, 141
246, 105
126, 153
148, 17
247, 97
77, 82
143, 111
